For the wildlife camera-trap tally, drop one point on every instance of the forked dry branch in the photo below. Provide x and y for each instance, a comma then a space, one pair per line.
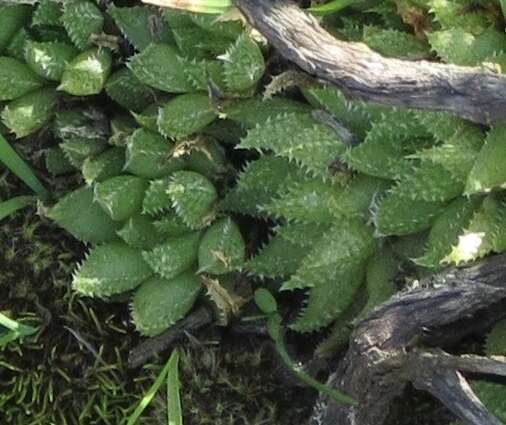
394, 346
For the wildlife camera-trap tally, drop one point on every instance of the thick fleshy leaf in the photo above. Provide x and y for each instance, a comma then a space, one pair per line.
159, 303
87, 73
185, 115
149, 155
222, 248
17, 79
83, 218
30, 112
111, 269
49, 59
193, 198
121, 196
174, 256
82, 19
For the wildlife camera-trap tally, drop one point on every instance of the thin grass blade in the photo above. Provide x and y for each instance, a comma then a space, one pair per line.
175, 416
12, 205
20, 168
148, 397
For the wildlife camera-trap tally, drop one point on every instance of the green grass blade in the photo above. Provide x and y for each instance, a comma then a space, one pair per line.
12, 205
150, 394
330, 7
16, 330
20, 168
175, 416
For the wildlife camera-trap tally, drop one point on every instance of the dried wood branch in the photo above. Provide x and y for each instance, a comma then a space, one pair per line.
386, 349
450, 386
440, 374
473, 93
153, 346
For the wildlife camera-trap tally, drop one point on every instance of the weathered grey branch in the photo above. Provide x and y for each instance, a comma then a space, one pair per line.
386, 349
153, 346
439, 374
450, 386
473, 93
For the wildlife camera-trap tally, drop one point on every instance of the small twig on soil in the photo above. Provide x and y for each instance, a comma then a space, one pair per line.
153, 346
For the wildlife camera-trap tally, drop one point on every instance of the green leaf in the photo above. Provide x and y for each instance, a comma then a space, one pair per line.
12, 18
17, 79
10, 158
139, 232
446, 230
16, 330
456, 45
309, 201
496, 340
149, 155
485, 233
159, 303
174, 256
78, 149
121, 196
260, 182
127, 90
256, 111
14, 204
87, 73
454, 13
382, 154
299, 138
346, 242
31, 112
222, 248
105, 165
82, 19
82, 218
47, 13
279, 257
352, 115
111, 269
56, 161
171, 225
394, 43
243, 64
429, 182
332, 294
186, 114
49, 59
207, 157
398, 214
193, 198
140, 25
160, 66
381, 270
489, 171
156, 199
457, 154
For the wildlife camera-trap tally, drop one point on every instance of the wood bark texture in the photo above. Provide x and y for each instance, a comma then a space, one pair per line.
472, 93
154, 346
394, 346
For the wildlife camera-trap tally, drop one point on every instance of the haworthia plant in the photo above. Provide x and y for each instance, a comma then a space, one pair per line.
191, 141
